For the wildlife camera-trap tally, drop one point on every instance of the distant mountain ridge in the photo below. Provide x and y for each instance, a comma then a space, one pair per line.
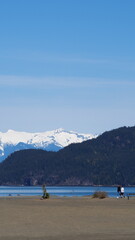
108, 159
55, 140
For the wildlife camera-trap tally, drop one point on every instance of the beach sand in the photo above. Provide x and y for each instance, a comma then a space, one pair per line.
67, 218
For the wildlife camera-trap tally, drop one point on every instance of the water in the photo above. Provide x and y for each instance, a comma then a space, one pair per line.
59, 191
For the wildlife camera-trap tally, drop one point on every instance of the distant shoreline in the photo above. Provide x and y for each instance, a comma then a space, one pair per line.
10, 185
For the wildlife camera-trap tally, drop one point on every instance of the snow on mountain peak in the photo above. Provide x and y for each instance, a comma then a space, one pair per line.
11, 140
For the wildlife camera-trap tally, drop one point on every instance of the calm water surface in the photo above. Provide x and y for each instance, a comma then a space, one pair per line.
60, 191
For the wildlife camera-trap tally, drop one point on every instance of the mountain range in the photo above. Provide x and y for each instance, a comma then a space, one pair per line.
108, 159
55, 140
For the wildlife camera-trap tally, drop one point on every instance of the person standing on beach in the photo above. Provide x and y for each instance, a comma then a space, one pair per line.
122, 192
119, 190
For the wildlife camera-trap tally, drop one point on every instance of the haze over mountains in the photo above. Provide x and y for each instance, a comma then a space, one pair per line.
55, 140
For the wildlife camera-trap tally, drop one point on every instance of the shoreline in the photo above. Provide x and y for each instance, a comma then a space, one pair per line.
12, 191
115, 185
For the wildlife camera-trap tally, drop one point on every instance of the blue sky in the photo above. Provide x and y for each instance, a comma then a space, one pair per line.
68, 64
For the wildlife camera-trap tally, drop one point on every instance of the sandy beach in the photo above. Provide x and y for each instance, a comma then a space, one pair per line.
67, 218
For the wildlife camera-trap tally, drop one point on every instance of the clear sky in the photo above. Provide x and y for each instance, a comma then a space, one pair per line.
67, 64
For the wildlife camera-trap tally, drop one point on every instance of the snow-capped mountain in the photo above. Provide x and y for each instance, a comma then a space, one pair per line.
51, 140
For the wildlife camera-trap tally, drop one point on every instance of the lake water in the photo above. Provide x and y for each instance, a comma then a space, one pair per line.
59, 191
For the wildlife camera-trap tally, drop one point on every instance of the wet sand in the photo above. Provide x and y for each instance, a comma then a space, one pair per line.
67, 218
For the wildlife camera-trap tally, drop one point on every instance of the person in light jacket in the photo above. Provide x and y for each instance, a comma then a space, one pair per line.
122, 192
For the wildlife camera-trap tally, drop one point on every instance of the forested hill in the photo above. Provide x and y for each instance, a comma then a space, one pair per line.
106, 160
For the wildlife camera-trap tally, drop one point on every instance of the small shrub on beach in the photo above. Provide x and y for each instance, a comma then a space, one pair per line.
100, 195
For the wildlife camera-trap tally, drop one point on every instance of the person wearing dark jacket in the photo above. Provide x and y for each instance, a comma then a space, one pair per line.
119, 190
